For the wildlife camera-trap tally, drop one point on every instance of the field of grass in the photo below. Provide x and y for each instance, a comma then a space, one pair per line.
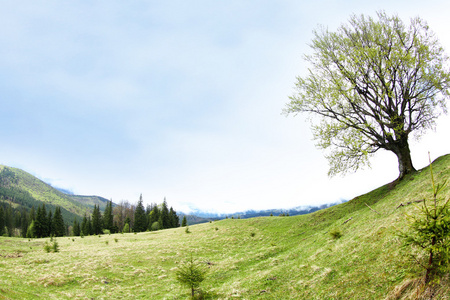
259, 258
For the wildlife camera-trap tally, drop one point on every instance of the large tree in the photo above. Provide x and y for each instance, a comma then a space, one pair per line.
372, 84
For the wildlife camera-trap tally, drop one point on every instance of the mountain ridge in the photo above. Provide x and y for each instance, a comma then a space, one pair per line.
22, 189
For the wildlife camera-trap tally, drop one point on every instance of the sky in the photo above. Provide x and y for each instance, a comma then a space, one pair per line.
180, 100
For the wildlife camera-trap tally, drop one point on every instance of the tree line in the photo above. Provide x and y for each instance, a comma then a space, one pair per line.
35, 223
126, 217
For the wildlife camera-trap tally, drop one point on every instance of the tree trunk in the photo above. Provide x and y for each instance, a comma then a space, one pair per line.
405, 165
430, 267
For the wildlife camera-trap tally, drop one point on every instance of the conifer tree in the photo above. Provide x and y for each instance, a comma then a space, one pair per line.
32, 215
153, 216
50, 229
108, 217
90, 227
9, 220
160, 222
140, 220
2, 221
97, 220
85, 226
174, 219
41, 222
165, 218
58, 223
24, 223
76, 228
184, 222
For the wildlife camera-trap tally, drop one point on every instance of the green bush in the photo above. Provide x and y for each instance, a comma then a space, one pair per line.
47, 247
336, 233
155, 226
55, 246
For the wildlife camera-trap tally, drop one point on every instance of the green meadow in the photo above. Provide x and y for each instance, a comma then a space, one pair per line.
261, 258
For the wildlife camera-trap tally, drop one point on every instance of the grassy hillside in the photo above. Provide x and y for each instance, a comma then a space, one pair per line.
90, 201
23, 189
259, 258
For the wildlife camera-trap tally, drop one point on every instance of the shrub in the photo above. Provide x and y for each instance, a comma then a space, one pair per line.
47, 247
51, 247
336, 233
155, 226
187, 229
55, 246
191, 274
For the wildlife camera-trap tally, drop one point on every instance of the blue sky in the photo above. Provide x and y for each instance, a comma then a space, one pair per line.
179, 99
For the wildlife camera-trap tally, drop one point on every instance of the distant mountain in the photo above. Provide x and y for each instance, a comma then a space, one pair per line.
198, 216
23, 190
90, 201
193, 219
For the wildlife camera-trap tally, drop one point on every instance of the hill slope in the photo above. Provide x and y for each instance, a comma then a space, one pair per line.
22, 189
259, 258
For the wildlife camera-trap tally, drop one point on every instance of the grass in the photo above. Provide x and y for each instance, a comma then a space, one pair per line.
260, 258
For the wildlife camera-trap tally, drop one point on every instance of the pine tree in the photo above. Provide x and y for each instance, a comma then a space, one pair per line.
108, 217
160, 222
97, 220
174, 219
50, 229
76, 228
2, 221
85, 226
58, 223
24, 223
184, 222
153, 216
32, 215
140, 220
41, 222
9, 220
165, 218
90, 227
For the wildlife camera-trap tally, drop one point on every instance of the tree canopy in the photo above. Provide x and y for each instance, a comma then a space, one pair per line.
371, 85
